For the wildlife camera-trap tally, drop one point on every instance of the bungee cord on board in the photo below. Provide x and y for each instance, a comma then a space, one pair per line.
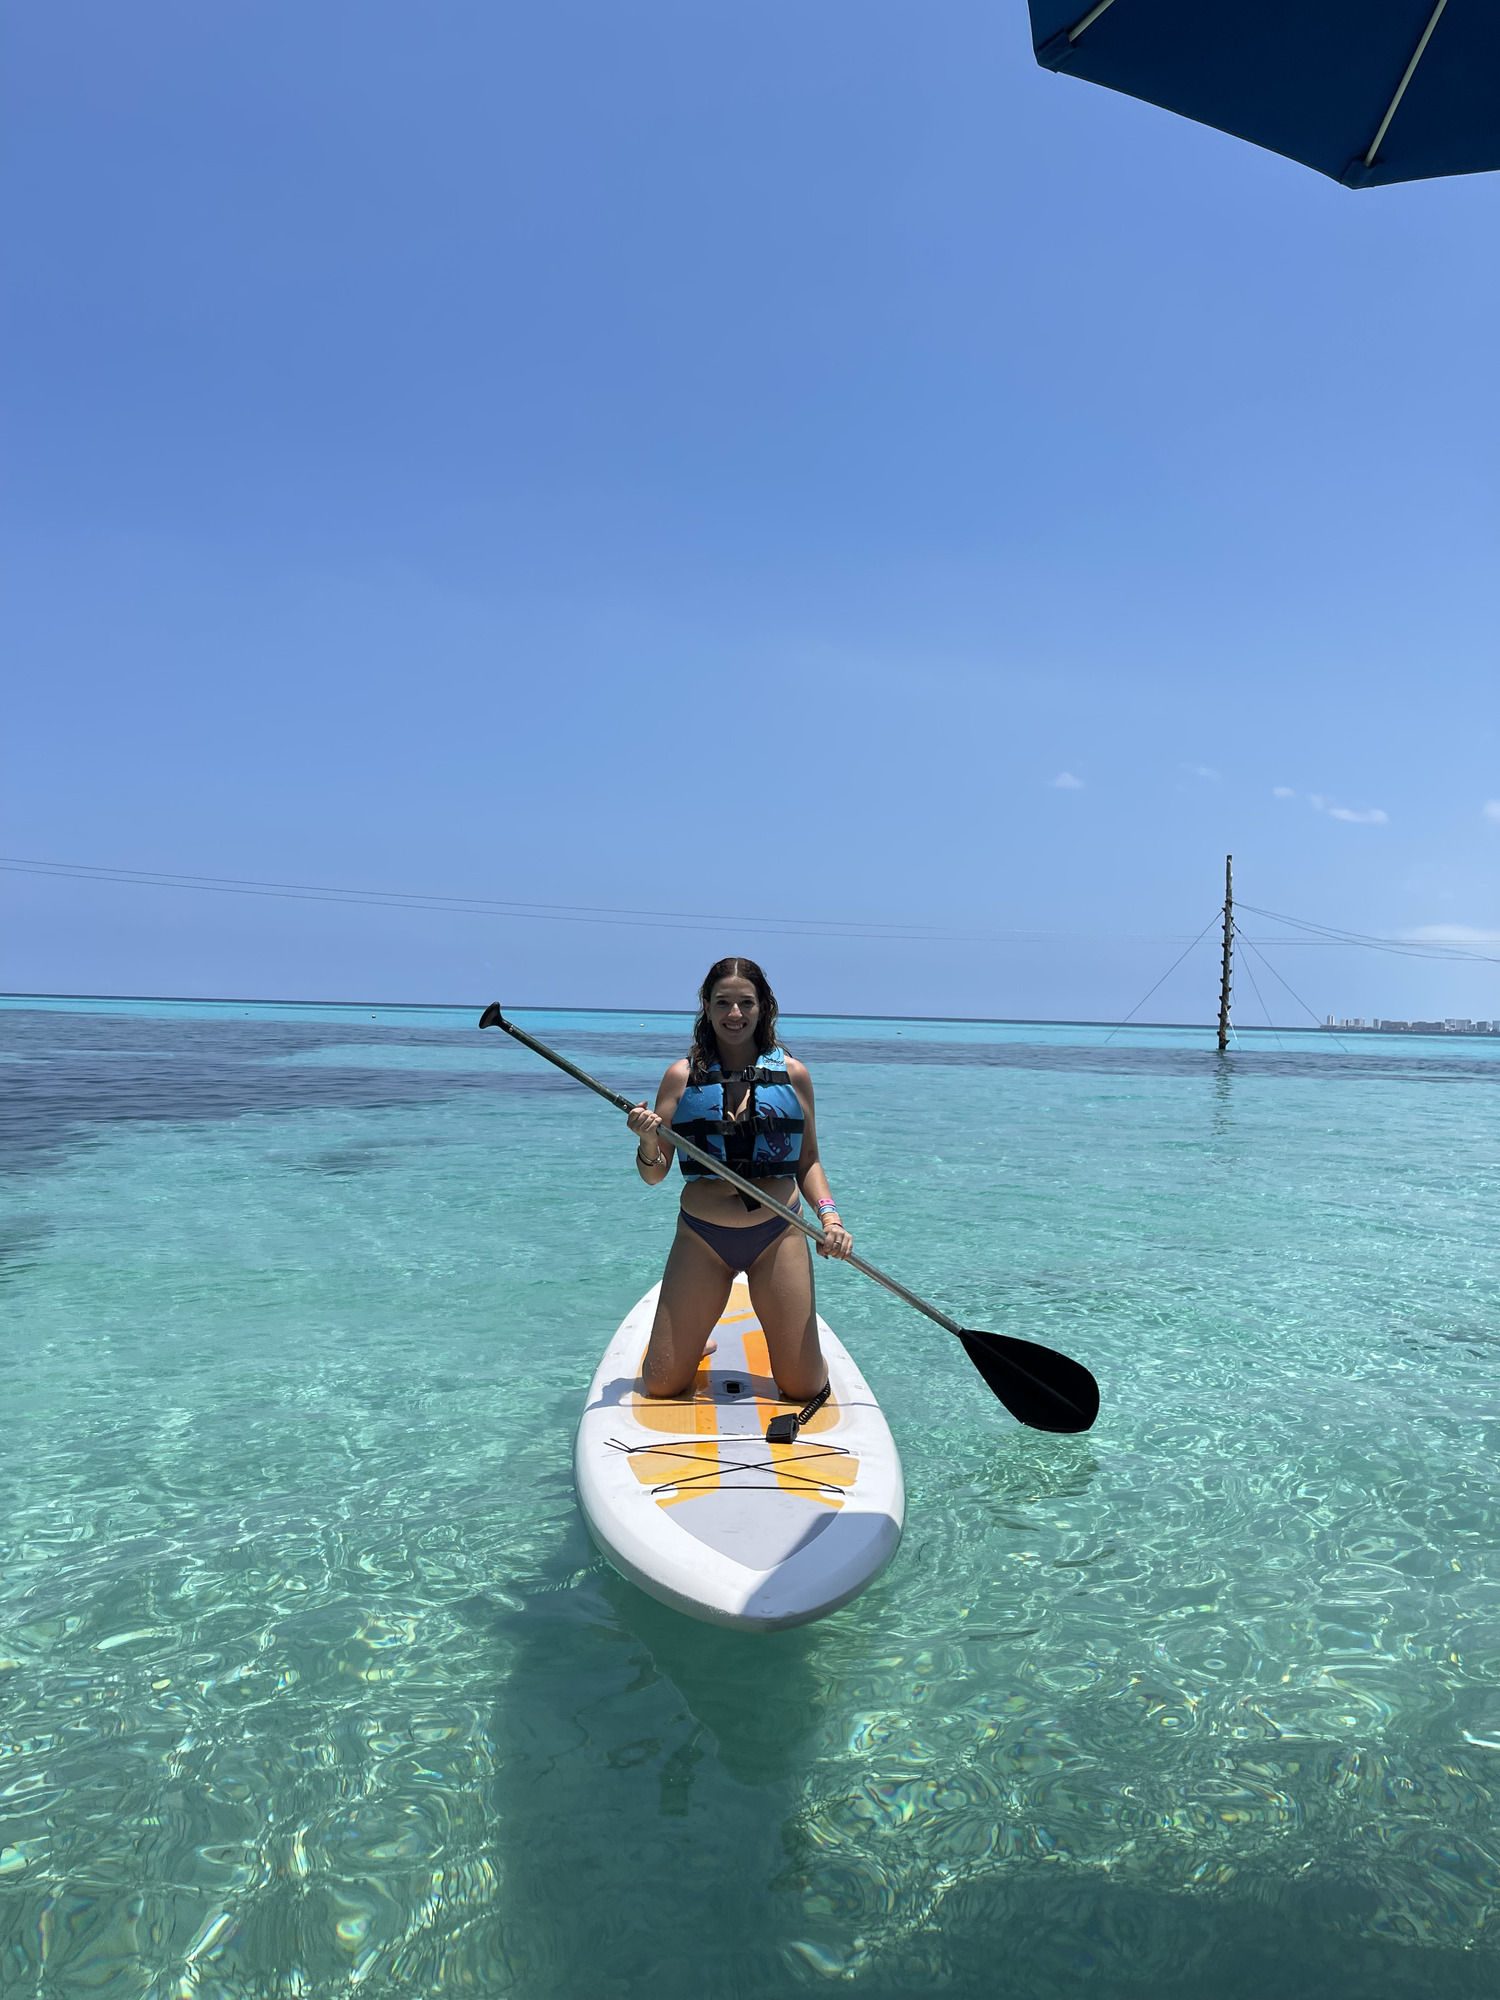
711, 1466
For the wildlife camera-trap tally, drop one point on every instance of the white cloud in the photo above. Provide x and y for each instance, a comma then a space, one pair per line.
1202, 770
1066, 782
1373, 817
1282, 792
1449, 934
1491, 809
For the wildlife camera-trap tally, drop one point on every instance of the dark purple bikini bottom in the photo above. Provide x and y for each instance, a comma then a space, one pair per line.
739, 1248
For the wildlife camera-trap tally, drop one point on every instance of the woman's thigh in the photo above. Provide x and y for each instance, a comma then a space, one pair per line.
694, 1293
781, 1291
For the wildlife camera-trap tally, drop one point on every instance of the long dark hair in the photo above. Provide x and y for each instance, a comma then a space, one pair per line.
704, 1052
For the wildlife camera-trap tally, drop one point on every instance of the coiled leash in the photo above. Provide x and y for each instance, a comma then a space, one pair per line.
784, 1429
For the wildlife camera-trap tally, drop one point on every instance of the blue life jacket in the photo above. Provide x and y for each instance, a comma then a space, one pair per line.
773, 1114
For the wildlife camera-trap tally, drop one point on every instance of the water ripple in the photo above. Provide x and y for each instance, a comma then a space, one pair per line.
313, 1683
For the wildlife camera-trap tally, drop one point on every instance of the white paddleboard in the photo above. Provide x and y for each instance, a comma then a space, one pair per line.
686, 1498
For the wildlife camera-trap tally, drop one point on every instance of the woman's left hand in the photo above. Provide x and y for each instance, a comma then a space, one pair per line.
837, 1242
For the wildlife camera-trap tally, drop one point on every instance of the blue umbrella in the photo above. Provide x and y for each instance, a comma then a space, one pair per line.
1365, 91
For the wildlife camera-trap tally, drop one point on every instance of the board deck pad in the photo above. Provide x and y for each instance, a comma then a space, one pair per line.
686, 1497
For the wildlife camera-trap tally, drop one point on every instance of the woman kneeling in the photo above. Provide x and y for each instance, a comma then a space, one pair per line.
738, 1095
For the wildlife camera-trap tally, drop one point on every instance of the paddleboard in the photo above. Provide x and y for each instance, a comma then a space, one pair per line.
686, 1498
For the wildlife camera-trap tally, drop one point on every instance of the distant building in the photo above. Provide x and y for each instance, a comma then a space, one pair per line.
1356, 1024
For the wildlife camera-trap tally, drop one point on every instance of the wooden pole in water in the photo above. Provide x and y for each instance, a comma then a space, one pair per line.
1228, 950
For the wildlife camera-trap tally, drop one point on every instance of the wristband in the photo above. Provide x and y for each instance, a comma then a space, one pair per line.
826, 1204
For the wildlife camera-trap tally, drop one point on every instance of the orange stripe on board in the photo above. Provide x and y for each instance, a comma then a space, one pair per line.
694, 1420
695, 1462
796, 1463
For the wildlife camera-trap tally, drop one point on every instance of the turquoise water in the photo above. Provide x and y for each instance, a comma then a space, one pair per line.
312, 1681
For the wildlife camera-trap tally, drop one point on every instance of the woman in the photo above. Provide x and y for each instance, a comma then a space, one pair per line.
741, 1097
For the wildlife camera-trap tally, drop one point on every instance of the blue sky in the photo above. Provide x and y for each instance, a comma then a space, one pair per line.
733, 462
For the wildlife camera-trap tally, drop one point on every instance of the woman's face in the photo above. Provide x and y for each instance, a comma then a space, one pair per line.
733, 1009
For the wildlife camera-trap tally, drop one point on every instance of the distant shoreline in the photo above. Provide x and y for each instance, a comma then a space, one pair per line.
1426, 1030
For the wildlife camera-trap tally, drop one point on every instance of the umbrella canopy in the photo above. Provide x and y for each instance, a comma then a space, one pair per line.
1366, 91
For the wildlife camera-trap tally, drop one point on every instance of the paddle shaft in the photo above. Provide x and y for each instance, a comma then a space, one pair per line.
725, 1173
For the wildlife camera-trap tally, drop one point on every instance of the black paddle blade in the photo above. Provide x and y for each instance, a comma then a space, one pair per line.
1047, 1390
491, 1017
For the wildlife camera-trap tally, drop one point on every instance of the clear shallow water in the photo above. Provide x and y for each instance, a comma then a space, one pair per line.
313, 1682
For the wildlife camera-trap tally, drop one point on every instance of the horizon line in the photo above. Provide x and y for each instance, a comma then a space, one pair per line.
939, 1020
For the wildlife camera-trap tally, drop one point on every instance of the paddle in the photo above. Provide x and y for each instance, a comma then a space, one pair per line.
1038, 1386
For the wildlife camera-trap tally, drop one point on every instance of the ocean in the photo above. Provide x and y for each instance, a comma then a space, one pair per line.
312, 1681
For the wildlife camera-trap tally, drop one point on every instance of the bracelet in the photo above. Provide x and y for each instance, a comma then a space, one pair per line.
648, 1163
826, 1204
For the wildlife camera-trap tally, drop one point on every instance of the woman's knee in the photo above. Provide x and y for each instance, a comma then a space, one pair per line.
664, 1374
796, 1353
800, 1385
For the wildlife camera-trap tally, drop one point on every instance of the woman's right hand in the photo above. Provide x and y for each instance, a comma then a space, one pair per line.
643, 1121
